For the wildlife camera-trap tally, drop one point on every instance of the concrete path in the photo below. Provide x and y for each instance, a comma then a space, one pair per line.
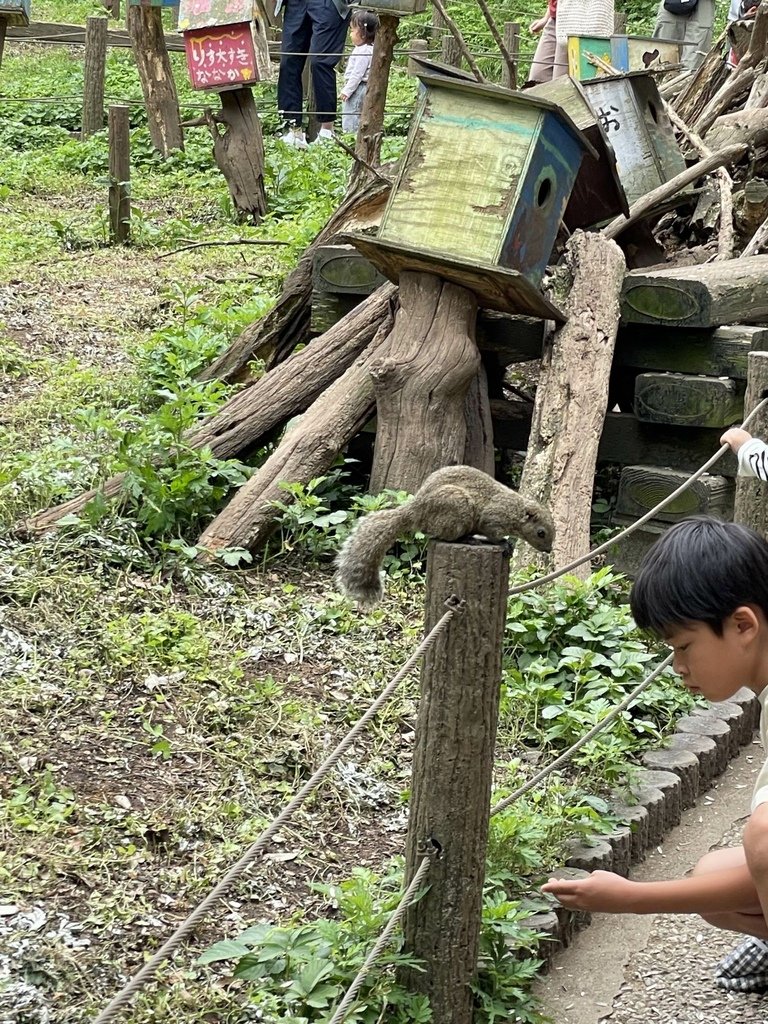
642, 970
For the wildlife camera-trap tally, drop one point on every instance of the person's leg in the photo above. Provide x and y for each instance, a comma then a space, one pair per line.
544, 57
329, 32
748, 920
560, 62
296, 38
698, 32
669, 26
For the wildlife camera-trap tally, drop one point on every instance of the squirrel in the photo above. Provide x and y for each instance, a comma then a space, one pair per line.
452, 503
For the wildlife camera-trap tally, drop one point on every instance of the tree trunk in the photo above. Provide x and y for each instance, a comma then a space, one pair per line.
572, 398
421, 383
94, 65
307, 450
274, 398
146, 31
275, 335
368, 142
239, 152
478, 448
708, 77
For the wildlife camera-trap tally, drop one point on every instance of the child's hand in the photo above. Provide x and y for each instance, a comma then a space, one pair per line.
603, 890
538, 25
735, 437
343, 96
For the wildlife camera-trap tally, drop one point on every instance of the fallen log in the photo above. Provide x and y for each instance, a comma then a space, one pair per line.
274, 336
747, 126
277, 396
307, 450
572, 397
645, 206
705, 81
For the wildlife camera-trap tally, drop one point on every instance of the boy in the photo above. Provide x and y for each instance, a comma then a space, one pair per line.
703, 587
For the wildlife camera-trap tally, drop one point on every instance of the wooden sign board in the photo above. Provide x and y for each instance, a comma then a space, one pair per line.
222, 56
15, 12
501, 203
205, 13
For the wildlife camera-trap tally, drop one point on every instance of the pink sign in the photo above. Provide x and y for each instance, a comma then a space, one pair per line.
220, 56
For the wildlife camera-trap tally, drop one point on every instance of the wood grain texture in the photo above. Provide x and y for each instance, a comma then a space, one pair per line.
719, 352
688, 400
732, 291
641, 488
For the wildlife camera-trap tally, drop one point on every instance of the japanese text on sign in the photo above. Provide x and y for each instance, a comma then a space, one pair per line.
221, 56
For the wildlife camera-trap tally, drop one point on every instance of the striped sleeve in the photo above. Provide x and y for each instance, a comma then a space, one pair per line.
753, 459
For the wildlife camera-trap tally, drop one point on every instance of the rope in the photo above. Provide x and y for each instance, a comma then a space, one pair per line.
409, 896
568, 754
148, 971
555, 574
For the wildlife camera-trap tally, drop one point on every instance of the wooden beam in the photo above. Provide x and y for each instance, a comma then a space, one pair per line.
53, 32
688, 400
641, 488
719, 352
708, 295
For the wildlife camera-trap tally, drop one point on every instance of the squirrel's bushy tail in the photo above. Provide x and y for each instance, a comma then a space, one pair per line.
359, 561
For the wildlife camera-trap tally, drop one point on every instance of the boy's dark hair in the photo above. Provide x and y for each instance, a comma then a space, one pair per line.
700, 570
367, 22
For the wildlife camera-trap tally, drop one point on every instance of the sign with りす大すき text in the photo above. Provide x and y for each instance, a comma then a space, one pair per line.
221, 56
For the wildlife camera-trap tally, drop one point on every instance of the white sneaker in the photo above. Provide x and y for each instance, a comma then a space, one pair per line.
295, 137
325, 135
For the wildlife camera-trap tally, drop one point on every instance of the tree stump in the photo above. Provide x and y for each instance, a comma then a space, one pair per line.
572, 398
421, 383
239, 152
145, 28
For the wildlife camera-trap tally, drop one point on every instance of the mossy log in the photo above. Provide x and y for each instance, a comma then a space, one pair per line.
687, 400
641, 488
699, 296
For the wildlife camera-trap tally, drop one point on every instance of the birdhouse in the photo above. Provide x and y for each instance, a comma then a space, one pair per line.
482, 188
592, 57
225, 43
598, 194
631, 112
14, 12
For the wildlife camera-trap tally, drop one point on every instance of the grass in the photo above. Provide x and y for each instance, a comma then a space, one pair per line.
155, 714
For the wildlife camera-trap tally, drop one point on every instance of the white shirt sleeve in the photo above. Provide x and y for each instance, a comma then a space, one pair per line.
753, 459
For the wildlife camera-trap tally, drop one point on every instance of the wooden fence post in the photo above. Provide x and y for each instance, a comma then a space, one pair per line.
95, 64
145, 28
370, 131
451, 54
417, 48
119, 174
512, 42
452, 766
751, 504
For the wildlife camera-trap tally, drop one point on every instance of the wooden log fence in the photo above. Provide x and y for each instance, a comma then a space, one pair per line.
95, 64
119, 174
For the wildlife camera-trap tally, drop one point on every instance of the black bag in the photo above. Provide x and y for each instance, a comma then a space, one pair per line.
680, 6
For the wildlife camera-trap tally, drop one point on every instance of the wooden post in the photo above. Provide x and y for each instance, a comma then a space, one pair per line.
145, 28
239, 152
119, 174
452, 767
308, 91
418, 48
368, 142
3, 30
512, 43
751, 506
451, 54
94, 71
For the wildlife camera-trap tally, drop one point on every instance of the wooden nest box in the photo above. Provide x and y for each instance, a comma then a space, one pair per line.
225, 43
14, 12
631, 113
483, 185
622, 53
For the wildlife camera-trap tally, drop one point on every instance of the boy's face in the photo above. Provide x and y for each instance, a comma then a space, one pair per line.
717, 666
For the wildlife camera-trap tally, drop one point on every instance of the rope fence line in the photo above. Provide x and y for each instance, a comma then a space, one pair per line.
409, 897
602, 548
148, 971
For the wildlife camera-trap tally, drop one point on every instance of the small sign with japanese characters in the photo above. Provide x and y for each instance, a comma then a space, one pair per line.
221, 56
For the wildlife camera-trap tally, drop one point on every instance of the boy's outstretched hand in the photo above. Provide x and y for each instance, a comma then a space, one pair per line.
602, 891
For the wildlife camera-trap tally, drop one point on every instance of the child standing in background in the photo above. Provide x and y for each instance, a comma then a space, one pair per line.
362, 32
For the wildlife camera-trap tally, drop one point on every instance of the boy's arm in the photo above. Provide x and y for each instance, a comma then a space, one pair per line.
715, 892
751, 452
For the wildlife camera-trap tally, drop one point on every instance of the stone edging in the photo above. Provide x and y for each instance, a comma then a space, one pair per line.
672, 779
